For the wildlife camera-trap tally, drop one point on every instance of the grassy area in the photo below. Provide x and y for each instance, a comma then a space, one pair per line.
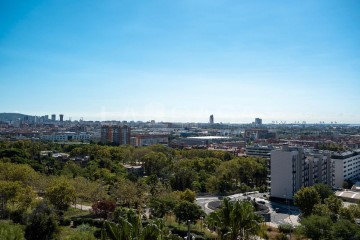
83, 232
273, 232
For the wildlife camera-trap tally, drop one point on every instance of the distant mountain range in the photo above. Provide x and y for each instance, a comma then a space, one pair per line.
13, 116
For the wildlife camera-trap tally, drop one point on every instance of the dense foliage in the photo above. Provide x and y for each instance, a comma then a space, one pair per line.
324, 214
163, 179
235, 220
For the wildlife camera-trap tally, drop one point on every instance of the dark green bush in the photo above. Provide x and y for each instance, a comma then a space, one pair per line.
18, 216
281, 236
65, 222
285, 228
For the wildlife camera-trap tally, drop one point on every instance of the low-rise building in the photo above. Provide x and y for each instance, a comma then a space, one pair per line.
263, 151
66, 136
141, 140
259, 151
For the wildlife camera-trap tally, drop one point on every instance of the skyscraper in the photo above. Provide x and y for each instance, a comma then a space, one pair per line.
211, 119
53, 117
61, 117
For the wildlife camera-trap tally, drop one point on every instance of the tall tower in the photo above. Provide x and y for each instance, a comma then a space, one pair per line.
61, 117
258, 121
211, 119
53, 117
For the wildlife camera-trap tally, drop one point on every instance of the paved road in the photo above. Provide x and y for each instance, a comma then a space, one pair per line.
284, 214
83, 207
204, 201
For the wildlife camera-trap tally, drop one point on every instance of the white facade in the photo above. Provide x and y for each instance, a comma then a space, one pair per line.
67, 136
294, 167
346, 165
148, 140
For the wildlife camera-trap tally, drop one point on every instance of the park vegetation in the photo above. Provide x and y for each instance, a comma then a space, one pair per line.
39, 191
324, 216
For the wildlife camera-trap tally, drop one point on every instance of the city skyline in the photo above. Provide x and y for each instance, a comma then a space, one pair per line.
182, 61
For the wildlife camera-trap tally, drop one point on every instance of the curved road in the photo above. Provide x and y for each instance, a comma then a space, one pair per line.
284, 214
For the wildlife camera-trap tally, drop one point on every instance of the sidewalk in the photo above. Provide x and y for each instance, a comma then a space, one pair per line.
292, 220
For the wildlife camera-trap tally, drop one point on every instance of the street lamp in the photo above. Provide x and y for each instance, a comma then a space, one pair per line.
188, 233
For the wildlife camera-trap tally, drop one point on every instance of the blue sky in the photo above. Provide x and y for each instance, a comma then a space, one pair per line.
182, 60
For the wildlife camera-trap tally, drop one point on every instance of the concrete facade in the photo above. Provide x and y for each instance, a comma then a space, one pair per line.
346, 165
295, 167
118, 135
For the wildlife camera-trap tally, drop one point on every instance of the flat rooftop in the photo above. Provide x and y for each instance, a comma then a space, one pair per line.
209, 137
350, 196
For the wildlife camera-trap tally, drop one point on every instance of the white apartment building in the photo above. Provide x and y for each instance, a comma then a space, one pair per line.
346, 165
66, 136
295, 167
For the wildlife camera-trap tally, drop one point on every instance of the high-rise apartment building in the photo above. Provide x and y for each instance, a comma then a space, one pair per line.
296, 167
106, 134
61, 117
53, 117
121, 135
118, 135
211, 120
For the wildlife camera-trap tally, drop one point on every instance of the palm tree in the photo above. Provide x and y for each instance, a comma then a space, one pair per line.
235, 220
130, 228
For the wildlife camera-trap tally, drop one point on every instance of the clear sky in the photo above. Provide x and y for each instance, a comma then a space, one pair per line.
182, 60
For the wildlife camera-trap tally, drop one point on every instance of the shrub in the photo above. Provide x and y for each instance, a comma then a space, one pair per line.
104, 208
65, 222
281, 236
18, 216
11, 232
285, 228
42, 224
